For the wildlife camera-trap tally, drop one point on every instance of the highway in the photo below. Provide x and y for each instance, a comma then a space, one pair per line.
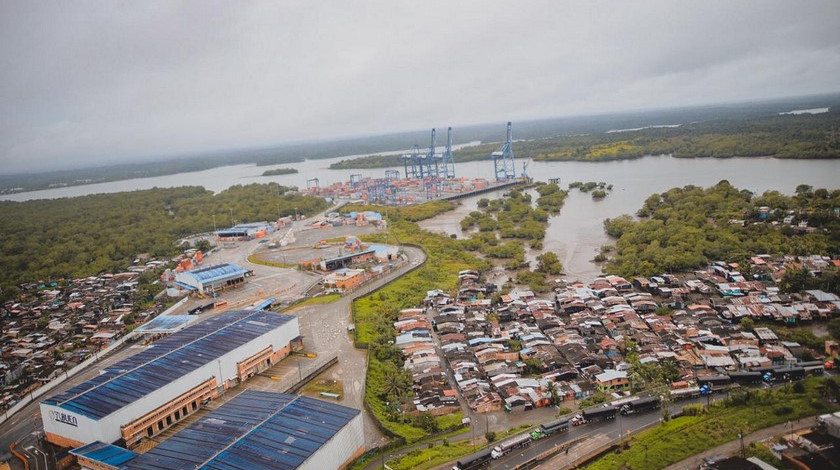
610, 428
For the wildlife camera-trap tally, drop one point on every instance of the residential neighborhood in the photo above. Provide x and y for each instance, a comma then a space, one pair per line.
517, 351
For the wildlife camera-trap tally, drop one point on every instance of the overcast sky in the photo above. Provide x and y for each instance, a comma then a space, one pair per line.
88, 82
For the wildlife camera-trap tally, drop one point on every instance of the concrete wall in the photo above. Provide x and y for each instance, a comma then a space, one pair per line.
347, 444
108, 430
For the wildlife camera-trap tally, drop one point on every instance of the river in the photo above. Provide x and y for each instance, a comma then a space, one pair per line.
575, 234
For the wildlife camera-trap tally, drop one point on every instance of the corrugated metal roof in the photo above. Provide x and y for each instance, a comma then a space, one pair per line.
255, 431
217, 272
165, 361
166, 324
105, 453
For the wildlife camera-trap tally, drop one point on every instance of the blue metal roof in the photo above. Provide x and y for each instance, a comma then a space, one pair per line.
217, 272
165, 361
165, 324
255, 431
105, 453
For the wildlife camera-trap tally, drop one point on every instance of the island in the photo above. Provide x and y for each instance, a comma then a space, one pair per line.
280, 171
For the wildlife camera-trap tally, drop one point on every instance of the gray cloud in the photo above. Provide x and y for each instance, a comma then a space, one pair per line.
91, 82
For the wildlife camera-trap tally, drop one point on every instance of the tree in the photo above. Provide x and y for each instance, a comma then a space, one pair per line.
795, 279
747, 324
834, 328
203, 245
553, 392
490, 436
830, 390
395, 383
549, 263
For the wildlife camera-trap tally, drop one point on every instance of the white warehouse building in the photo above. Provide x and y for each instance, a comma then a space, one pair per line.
140, 397
263, 431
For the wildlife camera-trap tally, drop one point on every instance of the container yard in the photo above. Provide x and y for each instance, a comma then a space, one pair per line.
426, 176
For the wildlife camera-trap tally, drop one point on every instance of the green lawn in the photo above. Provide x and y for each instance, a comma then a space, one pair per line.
256, 260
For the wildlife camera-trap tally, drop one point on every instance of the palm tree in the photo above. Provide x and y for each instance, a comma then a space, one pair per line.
552, 389
830, 390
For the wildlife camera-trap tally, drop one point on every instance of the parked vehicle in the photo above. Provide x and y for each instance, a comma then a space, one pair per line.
786, 374
812, 367
714, 382
552, 427
595, 414
746, 377
640, 405
474, 461
510, 444
682, 393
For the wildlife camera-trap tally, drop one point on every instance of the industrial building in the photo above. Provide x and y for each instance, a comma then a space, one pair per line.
142, 396
263, 431
211, 278
346, 260
243, 232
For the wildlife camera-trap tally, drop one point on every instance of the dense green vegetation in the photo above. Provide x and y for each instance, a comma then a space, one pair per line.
781, 136
66, 238
280, 171
504, 224
685, 228
551, 198
744, 412
599, 190
388, 384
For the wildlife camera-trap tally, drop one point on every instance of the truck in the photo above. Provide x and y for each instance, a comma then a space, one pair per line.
714, 382
640, 405
745, 377
595, 414
519, 441
552, 427
682, 393
474, 461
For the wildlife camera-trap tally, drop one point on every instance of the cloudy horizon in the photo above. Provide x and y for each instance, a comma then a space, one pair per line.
89, 83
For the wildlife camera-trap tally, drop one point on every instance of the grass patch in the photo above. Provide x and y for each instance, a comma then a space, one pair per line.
427, 458
324, 385
253, 258
746, 412
439, 454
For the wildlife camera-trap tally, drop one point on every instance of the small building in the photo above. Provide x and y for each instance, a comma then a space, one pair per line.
611, 380
345, 278
212, 278
766, 335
